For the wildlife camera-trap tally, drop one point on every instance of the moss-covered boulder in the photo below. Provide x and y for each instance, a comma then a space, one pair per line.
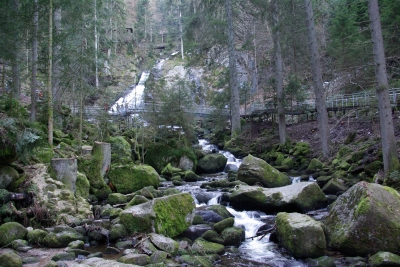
365, 220
315, 165
117, 231
204, 247
36, 236
254, 170
193, 260
190, 176
160, 155
164, 243
61, 236
211, 163
300, 235
171, 171
10, 259
7, 175
95, 166
121, 151
300, 197
222, 225
129, 178
169, 215
116, 198
135, 259
11, 231
334, 186
233, 236
326, 261
213, 236
382, 259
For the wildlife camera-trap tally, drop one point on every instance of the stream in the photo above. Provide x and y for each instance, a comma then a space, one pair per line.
254, 251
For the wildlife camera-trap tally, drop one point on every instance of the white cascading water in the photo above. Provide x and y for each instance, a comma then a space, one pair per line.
206, 146
133, 100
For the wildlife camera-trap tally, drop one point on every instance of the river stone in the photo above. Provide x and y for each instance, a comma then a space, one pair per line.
99, 262
117, 231
382, 259
64, 256
226, 223
116, 198
300, 197
137, 259
213, 236
190, 176
61, 237
257, 171
314, 165
158, 257
233, 236
11, 231
334, 186
323, 261
36, 236
169, 215
196, 231
203, 247
10, 259
365, 220
300, 235
129, 178
20, 245
164, 243
7, 175
202, 261
211, 163
78, 244
186, 164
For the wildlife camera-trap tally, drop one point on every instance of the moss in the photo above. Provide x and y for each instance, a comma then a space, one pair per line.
82, 186
363, 207
279, 159
36, 236
120, 150
171, 220
315, 165
130, 178
11, 231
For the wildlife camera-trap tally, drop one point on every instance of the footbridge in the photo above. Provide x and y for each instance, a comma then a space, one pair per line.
340, 102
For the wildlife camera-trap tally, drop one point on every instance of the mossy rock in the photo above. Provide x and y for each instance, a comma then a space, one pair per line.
136, 200
373, 168
82, 186
382, 258
233, 236
288, 163
301, 149
211, 163
11, 231
129, 178
254, 170
7, 175
213, 236
279, 159
36, 236
226, 223
10, 259
116, 198
315, 165
171, 171
203, 247
194, 260
121, 151
117, 231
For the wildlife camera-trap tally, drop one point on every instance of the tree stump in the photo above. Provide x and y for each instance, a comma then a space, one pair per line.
86, 150
65, 170
105, 150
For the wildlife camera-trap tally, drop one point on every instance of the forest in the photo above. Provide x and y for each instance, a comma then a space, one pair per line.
101, 100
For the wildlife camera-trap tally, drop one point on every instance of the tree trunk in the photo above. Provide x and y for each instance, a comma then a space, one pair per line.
50, 78
279, 74
56, 59
320, 98
16, 69
389, 151
96, 45
34, 93
235, 108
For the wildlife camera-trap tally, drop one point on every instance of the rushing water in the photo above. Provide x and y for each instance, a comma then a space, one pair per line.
254, 251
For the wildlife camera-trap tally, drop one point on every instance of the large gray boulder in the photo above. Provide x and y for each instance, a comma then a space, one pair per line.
211, 163
300, 197
257, 171
164, 243
300, 235
169, 215
365, 220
